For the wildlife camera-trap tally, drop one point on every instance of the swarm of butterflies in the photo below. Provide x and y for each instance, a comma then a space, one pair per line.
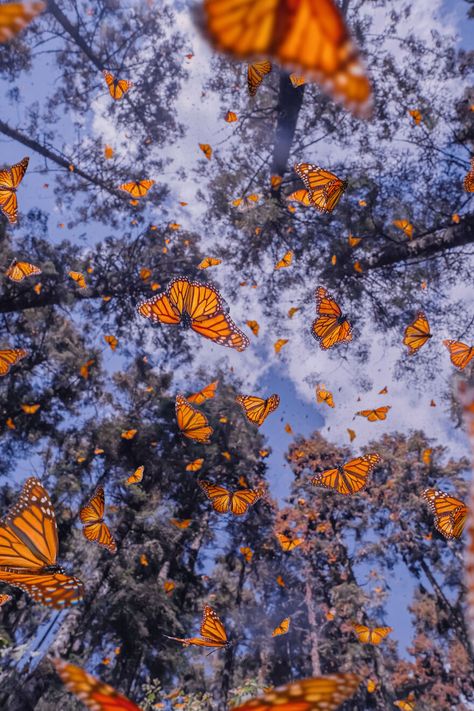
28, 532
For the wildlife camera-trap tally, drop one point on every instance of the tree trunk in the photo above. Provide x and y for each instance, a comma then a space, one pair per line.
289, 104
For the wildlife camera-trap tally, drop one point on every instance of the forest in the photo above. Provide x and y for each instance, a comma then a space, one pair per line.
236, 355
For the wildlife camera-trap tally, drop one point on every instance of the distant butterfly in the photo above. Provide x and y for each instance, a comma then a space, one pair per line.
246, 202
426, 456
417, 333
469, 179
405, 705
15, 16
380, 413
9, 182
92, 518
117, 87
287, 543
224, 501
208, 392
136, 477
285, 261
112, 341
196, 306
181, 523
321, 693
192, 423
10, 357
367, 635
30, 409
79, 279
168, 586
278, 345
18, 271
137, 188
212, 631
206, 149
29, 548
416, 116
96, 695
352, 434
209, 262
330, 326
299, 34
323, 395
231, 116
280, 581
354, 241
257, 409
4, 599
256, 73
282, 628
325, 189
461, 354
128, 434
450, 513
405, 226
297, 80
350, 477
247, 553
254, 327
195, 465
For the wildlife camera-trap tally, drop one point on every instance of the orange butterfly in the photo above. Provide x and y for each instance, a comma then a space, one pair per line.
257, 409
183, 523
330, 327
29, 548
10, 357
92, 517
136, 477
117, 87
30, 409
285, 261
206, 149
212, 632
9, 181
112, 341
128, 434
297, 80
4, 599
367, 635
206, 393
349, 478
15, 16
323, 395
224, 501
195, 465
17, 271
301, 196
256, 73
96, 695
450, 513
254, 327
469, 179
405, 226
287, 543
278, 345
417, 333
404, 704
302, 35
247, 553
282, 628
192, 423
137, 188
325, 189
196, 306
231, 116
168, 586
79, 279
461, 355
380, 413
209, 262
321, 693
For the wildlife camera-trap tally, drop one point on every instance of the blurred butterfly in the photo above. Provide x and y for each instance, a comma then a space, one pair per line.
278, 345
256, 73
168, 586
192, 423
330, 326
206, 149
352, 434
383, 391
323, 395
212, 632
254, 327
416, 116
299, 34
405, 705
321, 693
275, 181
325, 189
246, 202
257, 409
117, 87
4, 599
450, 513
287, 543
468, 180
349, 478
380, 413
18, 271
181, 523
29, 548
10, 357
137, 188
136, 477
96, 695
206, 393
128, 434
354, 241
282, 628
196, 306
231, 116
195, 465
112, 341
30, 409
292, 311
297, 80
92, 518
9, 181
405, 226
367, 635
301, 196
79, 279
209, 262
417, 333
461, 354
224, 501
426, 456
15, 16
247, 553
280, 581
285, 261
371, 686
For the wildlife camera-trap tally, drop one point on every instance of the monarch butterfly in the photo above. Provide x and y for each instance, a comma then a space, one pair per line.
206, 393
168, 586
183, 523
4, 599
469, 179
30, 409
10, 357
17, 271
14, 16
9, 181
367, 635
92, 518
287, 543
450, 513
194, 466
405, 705
301, 196
297, 80
300, 34
323, 395
278, 345
231, 116
192, 423
330, 327
353, 241
91, 691
117, 87
29, 547
352, 434
282, 628
321, 693
380, 413
137, 188
247, 553
285, 261
196, 306
405, 226
461, 355
136, 477
79, 279
112, 341
128, 434
325, 189
349, 478
257, 409
246, 202
255, 74
206, 149
209, 262
212, 632
224, 501
254, 327
417, 333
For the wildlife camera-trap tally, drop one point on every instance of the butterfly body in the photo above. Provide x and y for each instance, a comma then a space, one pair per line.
9, 182
225, 501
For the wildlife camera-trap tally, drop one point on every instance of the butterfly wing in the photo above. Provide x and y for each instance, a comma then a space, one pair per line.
205, 394
95, 529
209, 317
351, 477
192, 423
324, 693
282, 628
417, 333
461, 354
9, 181
330, 327
10, 357
96, 695
241, 500
378, 634
450, 513
55, 589
325, 189
301, 196
219, 496
288, 544
212, 628
256, 409
15, 16
18, 271
256, 73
